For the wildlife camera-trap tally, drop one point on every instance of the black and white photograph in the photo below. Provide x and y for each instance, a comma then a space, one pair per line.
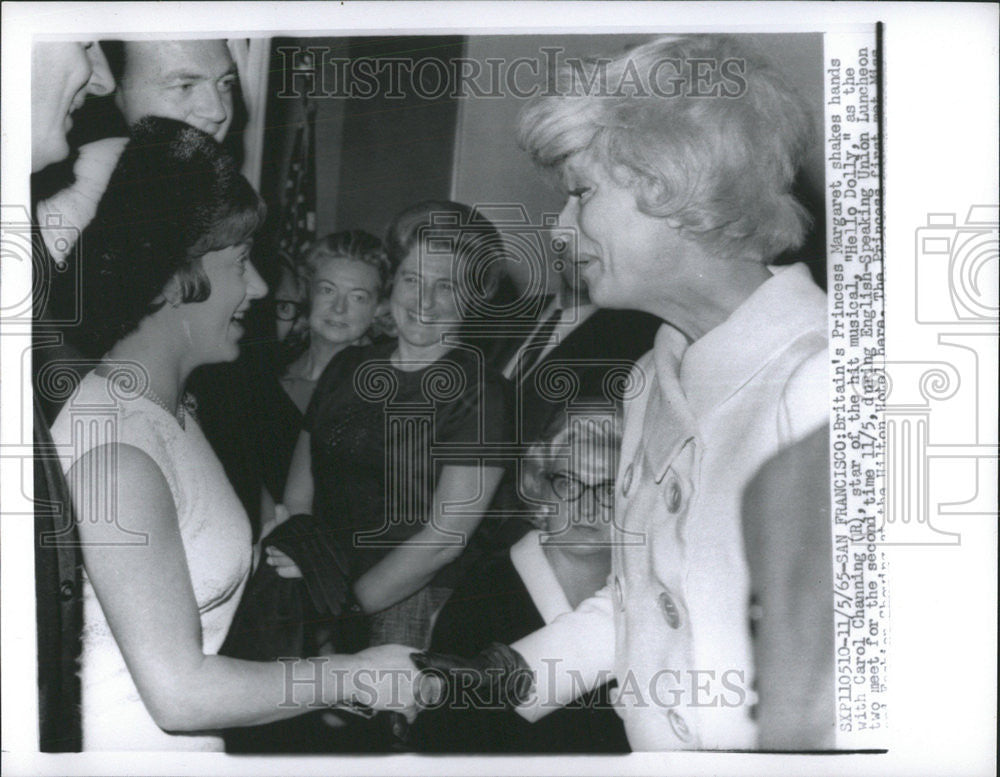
401, 388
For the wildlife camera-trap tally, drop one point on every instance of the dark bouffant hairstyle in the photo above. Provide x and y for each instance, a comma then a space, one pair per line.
174, 196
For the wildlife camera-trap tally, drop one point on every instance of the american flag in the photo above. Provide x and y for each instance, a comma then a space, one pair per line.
298, 222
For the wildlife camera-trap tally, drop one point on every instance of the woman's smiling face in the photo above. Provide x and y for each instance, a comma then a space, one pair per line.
621, 250
424, 300
215, 324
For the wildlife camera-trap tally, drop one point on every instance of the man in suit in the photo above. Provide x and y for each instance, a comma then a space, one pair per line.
576, 354
63, 74
575, 351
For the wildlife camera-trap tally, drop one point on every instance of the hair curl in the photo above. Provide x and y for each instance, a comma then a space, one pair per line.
174, 196
354, 244
714, 149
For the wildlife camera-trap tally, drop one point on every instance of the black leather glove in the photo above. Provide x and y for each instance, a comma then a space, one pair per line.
498, 676
320, 559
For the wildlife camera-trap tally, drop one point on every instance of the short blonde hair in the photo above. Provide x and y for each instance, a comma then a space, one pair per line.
714, 148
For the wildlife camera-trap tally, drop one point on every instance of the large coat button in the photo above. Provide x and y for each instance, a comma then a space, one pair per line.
66, 590
627, 480
669, 609
679, 726
673, 495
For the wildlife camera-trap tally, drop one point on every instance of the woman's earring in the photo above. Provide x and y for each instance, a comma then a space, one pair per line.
172, 293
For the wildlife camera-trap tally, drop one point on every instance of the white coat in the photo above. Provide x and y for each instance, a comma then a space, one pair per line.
674, 621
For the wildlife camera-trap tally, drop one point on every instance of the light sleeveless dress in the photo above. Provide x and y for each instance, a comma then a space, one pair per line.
215, 533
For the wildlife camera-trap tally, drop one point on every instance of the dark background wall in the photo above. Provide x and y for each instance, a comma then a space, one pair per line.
374, 155
396, 150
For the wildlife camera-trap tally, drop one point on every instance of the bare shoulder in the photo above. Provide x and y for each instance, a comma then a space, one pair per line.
115, 486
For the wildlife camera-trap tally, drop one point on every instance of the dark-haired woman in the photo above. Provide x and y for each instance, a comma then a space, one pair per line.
166, 543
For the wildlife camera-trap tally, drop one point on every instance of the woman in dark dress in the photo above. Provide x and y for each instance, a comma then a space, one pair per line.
341, 287
326, 305
570, 480
394, 455
254, 411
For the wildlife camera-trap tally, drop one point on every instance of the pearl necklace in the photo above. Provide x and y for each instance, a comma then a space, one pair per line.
153, 397
186, 404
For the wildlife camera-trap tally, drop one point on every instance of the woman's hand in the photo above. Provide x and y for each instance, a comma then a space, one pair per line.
385, 678
308, 550
498, 673
283, 564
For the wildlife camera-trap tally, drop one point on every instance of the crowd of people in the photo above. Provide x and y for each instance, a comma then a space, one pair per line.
399, 513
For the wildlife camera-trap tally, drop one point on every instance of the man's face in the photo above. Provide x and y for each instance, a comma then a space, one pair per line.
62, 75
189, 80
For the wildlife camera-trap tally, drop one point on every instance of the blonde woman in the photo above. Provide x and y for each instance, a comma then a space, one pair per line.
678, 180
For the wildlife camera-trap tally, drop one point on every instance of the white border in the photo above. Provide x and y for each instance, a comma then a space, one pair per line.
941, 88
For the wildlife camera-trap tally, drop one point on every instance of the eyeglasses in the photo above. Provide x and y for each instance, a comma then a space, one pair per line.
570, 488
287, 309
